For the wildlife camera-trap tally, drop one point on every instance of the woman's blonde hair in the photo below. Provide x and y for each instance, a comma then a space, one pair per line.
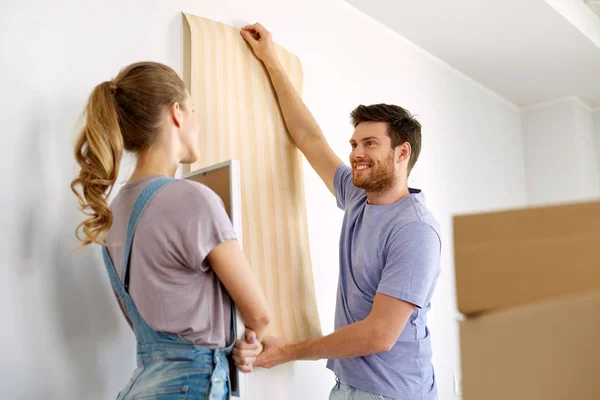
124, 113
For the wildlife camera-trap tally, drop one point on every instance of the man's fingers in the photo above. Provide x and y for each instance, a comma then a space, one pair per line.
261, 29
248, 27
249, 37
258, 28
254, 32
259, 362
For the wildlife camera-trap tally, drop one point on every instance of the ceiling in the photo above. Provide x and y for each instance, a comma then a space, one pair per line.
527, 51
594, 5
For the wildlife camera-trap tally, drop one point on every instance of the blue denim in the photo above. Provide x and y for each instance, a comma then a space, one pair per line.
344, 392
168, 366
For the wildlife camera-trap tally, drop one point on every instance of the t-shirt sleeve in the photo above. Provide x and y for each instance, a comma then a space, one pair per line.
345, 191
412, 264
208, 226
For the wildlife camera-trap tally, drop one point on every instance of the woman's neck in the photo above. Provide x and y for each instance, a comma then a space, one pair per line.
153, 162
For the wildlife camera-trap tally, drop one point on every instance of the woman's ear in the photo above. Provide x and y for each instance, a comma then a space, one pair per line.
175, 114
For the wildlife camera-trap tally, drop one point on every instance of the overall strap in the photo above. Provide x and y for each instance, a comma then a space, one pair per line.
140, 205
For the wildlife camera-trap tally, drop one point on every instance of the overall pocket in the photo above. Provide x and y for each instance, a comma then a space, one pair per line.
172, 393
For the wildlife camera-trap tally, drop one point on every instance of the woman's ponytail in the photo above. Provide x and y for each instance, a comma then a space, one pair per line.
98, 152
122, 114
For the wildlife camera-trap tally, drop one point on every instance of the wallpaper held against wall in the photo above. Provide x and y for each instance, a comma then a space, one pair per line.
240, 119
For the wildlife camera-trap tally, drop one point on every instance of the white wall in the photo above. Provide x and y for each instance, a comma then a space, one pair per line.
589, 178
561, 163
596, 117
546, 130
63, 336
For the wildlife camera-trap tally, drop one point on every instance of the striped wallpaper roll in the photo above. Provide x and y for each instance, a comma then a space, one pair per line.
240, 119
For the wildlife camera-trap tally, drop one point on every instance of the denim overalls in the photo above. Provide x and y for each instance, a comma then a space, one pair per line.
169, 367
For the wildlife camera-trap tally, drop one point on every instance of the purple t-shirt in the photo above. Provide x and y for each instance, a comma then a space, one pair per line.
394, 250
171, 282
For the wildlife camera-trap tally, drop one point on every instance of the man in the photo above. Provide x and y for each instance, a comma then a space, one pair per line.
389, 250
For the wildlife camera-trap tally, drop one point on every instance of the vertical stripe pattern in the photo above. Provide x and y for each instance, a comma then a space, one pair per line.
240, 119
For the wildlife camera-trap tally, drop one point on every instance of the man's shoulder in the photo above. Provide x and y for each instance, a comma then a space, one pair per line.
415, 222
416, 212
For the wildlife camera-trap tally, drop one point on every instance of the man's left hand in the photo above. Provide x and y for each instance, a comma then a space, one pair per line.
275, 352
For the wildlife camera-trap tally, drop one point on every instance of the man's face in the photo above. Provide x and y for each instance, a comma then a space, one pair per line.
372, 158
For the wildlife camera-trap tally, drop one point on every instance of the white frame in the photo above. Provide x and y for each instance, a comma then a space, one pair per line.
236, 220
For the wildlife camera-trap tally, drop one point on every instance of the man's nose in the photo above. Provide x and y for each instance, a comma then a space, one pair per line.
357, 153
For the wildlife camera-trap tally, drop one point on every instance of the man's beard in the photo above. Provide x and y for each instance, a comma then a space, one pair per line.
380, 179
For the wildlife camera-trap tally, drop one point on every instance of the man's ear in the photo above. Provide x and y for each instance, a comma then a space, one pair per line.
403, 152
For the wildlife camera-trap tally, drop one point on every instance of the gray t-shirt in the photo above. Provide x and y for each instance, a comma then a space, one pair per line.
171, 282
395, 250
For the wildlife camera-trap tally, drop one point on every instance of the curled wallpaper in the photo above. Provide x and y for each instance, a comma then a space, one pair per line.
240, 119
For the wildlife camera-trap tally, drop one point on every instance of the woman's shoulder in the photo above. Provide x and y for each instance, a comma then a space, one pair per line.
191, 194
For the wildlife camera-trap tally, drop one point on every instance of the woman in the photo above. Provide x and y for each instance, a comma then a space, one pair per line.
174, 278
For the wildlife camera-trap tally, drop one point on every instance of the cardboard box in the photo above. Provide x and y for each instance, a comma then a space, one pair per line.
510, 258
546, 351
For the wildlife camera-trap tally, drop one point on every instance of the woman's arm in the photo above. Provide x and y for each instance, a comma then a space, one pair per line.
233, 269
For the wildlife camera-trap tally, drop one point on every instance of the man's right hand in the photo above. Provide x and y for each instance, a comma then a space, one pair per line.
259, 38
300, 123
